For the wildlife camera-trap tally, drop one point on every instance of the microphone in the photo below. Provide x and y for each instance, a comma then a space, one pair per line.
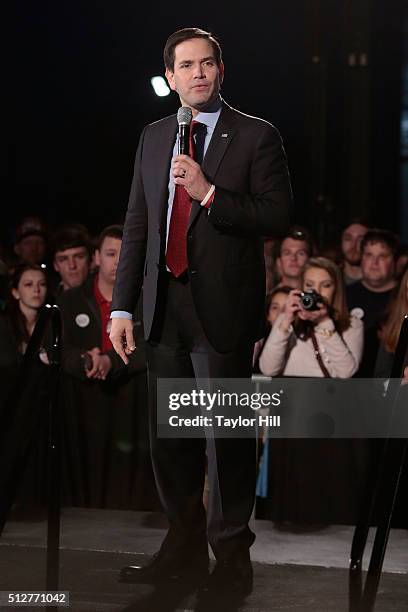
184, 117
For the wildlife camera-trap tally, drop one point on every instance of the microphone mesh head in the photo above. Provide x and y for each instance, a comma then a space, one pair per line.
184, 115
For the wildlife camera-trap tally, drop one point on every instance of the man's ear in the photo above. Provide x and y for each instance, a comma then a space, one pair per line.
17, 249
97, 258
170, 79
222, 72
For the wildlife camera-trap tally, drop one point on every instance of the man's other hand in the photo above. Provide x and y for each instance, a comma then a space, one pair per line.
121, 336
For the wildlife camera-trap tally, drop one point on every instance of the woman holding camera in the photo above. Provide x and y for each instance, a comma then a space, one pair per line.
315, 335
315, 480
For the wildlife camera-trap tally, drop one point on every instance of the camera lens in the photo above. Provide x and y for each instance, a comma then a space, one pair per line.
307, 301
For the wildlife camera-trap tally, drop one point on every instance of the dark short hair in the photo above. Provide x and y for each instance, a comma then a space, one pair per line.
71, 237
356, 221
298, 232
376, 235
112, 231
186, 34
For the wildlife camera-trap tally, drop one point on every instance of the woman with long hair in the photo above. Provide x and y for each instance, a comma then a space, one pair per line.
26, 296
24, 395
323, 341
314, 480
397, 310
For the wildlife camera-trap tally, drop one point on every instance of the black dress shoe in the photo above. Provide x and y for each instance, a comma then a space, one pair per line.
164, 567
231, 578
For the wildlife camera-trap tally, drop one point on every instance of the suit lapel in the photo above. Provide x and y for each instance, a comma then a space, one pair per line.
163, 155
220, 141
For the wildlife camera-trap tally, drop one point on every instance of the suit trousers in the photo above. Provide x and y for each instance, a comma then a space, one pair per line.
178, 348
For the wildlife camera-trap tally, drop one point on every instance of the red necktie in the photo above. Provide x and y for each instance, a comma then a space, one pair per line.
176, 254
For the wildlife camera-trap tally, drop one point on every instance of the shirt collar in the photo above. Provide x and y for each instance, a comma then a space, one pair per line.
210, 117
97, 293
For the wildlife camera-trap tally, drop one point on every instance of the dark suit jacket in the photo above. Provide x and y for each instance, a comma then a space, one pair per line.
77, 340
247, 163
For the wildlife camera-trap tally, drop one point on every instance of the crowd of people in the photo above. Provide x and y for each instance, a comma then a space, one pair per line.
362, 296
359, 295
352, 331
106, 459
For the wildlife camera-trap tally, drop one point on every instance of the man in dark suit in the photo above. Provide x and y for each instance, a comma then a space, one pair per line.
200, 261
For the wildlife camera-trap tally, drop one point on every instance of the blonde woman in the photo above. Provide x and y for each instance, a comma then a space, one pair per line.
326, 341
315, 480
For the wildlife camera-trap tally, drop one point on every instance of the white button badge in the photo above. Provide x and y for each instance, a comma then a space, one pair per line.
82, 320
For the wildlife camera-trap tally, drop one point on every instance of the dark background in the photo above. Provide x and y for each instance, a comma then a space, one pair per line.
328, 74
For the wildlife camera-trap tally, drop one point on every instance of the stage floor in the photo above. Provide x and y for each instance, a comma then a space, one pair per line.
299, 569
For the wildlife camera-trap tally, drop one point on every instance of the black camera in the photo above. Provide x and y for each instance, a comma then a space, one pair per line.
309, 300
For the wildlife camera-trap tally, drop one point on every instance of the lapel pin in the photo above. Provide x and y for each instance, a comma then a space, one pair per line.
224, 135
